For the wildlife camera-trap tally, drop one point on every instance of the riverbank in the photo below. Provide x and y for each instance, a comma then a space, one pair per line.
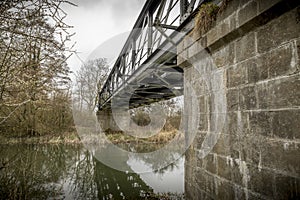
73, 138
65, 138
160, 138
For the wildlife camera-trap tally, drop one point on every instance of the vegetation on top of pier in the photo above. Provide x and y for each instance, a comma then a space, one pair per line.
207, 15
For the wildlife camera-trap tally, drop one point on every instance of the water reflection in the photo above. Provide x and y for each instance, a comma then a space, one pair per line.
71, 172
33, 171
165, 180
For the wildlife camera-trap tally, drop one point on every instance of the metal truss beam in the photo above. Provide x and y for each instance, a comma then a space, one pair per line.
154, 28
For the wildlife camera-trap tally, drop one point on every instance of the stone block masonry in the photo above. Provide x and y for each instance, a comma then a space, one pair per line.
253, 70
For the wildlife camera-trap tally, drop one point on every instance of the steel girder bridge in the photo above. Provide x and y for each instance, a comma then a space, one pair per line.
146, 70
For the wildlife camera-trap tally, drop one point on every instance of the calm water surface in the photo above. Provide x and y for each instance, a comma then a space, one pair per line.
71, 172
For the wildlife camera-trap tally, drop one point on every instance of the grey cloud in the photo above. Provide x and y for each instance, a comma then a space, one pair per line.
120, 9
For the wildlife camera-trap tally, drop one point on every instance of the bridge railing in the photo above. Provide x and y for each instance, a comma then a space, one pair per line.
157, 21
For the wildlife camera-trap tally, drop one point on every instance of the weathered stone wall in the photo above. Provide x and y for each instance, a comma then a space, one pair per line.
252, 72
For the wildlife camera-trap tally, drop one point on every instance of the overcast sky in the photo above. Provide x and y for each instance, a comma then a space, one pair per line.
99, 23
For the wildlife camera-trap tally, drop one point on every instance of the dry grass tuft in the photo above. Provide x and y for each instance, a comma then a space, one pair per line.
205, 18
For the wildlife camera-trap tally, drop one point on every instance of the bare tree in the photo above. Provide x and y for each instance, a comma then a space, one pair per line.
33, 44
89, 81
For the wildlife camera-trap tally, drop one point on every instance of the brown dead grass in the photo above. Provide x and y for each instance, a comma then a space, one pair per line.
205, 18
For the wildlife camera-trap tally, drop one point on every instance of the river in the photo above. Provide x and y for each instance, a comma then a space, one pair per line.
38, 171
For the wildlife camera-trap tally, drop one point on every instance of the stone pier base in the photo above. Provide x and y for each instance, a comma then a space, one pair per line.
106, 121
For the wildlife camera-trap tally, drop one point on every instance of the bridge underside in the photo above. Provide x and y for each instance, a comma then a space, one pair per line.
151, 85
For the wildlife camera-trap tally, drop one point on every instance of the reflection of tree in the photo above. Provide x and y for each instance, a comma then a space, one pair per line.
159, 157
82, 180
57, 171
170, 167
92, 179
160, 161
116, 184
34, 172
